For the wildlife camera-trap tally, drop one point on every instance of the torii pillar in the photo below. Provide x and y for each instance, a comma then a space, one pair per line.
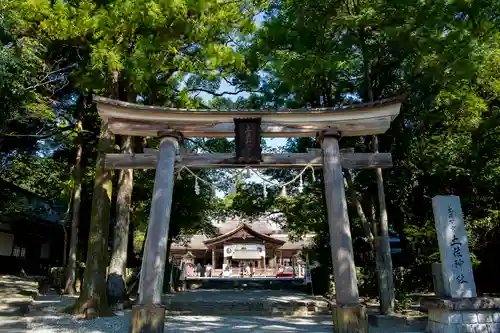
148, 316
349, 315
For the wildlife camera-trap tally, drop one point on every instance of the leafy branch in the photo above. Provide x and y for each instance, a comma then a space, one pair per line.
55, 131
216, 94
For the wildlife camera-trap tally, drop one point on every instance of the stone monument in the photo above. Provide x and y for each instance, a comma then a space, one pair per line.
457, 309
437, 280
456, 266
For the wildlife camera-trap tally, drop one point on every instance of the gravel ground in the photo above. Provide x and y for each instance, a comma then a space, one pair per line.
47, 318
180, 324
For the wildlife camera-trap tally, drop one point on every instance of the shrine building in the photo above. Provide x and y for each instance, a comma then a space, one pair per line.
261, 243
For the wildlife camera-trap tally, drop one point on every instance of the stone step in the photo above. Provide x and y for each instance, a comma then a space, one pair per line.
246, 284
253, 285
244, 303
263, 309
412, 324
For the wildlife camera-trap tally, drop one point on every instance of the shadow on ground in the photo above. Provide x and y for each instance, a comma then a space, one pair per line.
48, 318
178, 324
17, 325
16, 285
248, 324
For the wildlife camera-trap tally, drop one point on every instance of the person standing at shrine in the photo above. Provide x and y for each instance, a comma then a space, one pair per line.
208, 270
199, 270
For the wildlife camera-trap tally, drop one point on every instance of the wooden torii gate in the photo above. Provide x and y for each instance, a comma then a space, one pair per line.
171, 125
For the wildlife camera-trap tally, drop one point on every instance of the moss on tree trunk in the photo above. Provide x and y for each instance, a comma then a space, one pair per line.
70, 273
69, 285
93, 299
117, 267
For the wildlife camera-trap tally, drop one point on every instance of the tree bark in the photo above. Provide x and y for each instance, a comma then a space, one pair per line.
167, 287
134, 284
118, 264
69, 285
93, 299
383, 247
382, 243
373, 214
357, 205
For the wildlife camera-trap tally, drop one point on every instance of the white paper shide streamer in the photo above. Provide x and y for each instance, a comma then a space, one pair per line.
283, 192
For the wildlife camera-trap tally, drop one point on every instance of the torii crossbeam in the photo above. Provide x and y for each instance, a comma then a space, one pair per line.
313, 158
328, 124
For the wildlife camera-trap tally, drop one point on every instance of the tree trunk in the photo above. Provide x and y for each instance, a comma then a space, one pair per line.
134, 284
357, 205
383, 247
93, 299
68, 210
382, 242
167, 286
118, 264
69, 286
373, 215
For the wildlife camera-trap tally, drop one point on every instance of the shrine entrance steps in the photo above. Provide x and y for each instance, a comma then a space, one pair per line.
241, 302
273, 311
247, 283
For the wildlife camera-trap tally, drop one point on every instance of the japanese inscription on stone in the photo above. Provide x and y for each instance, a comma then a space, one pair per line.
453, 247
247, 137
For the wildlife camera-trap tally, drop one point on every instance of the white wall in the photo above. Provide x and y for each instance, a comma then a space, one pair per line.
6, 243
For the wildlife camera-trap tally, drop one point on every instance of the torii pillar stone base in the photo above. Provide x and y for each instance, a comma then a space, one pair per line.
147, 319
148, 316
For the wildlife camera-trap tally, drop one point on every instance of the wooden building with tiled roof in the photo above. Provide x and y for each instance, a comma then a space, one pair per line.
263, 243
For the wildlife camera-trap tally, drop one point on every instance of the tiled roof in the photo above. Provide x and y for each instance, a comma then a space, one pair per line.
34, 205
195, 243
263, 226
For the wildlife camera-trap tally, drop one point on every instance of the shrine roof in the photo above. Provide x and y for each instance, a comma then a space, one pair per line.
243, 227
197, 242
351, 120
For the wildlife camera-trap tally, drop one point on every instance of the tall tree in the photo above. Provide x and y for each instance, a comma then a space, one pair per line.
93, 298
118, 263
70, 273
